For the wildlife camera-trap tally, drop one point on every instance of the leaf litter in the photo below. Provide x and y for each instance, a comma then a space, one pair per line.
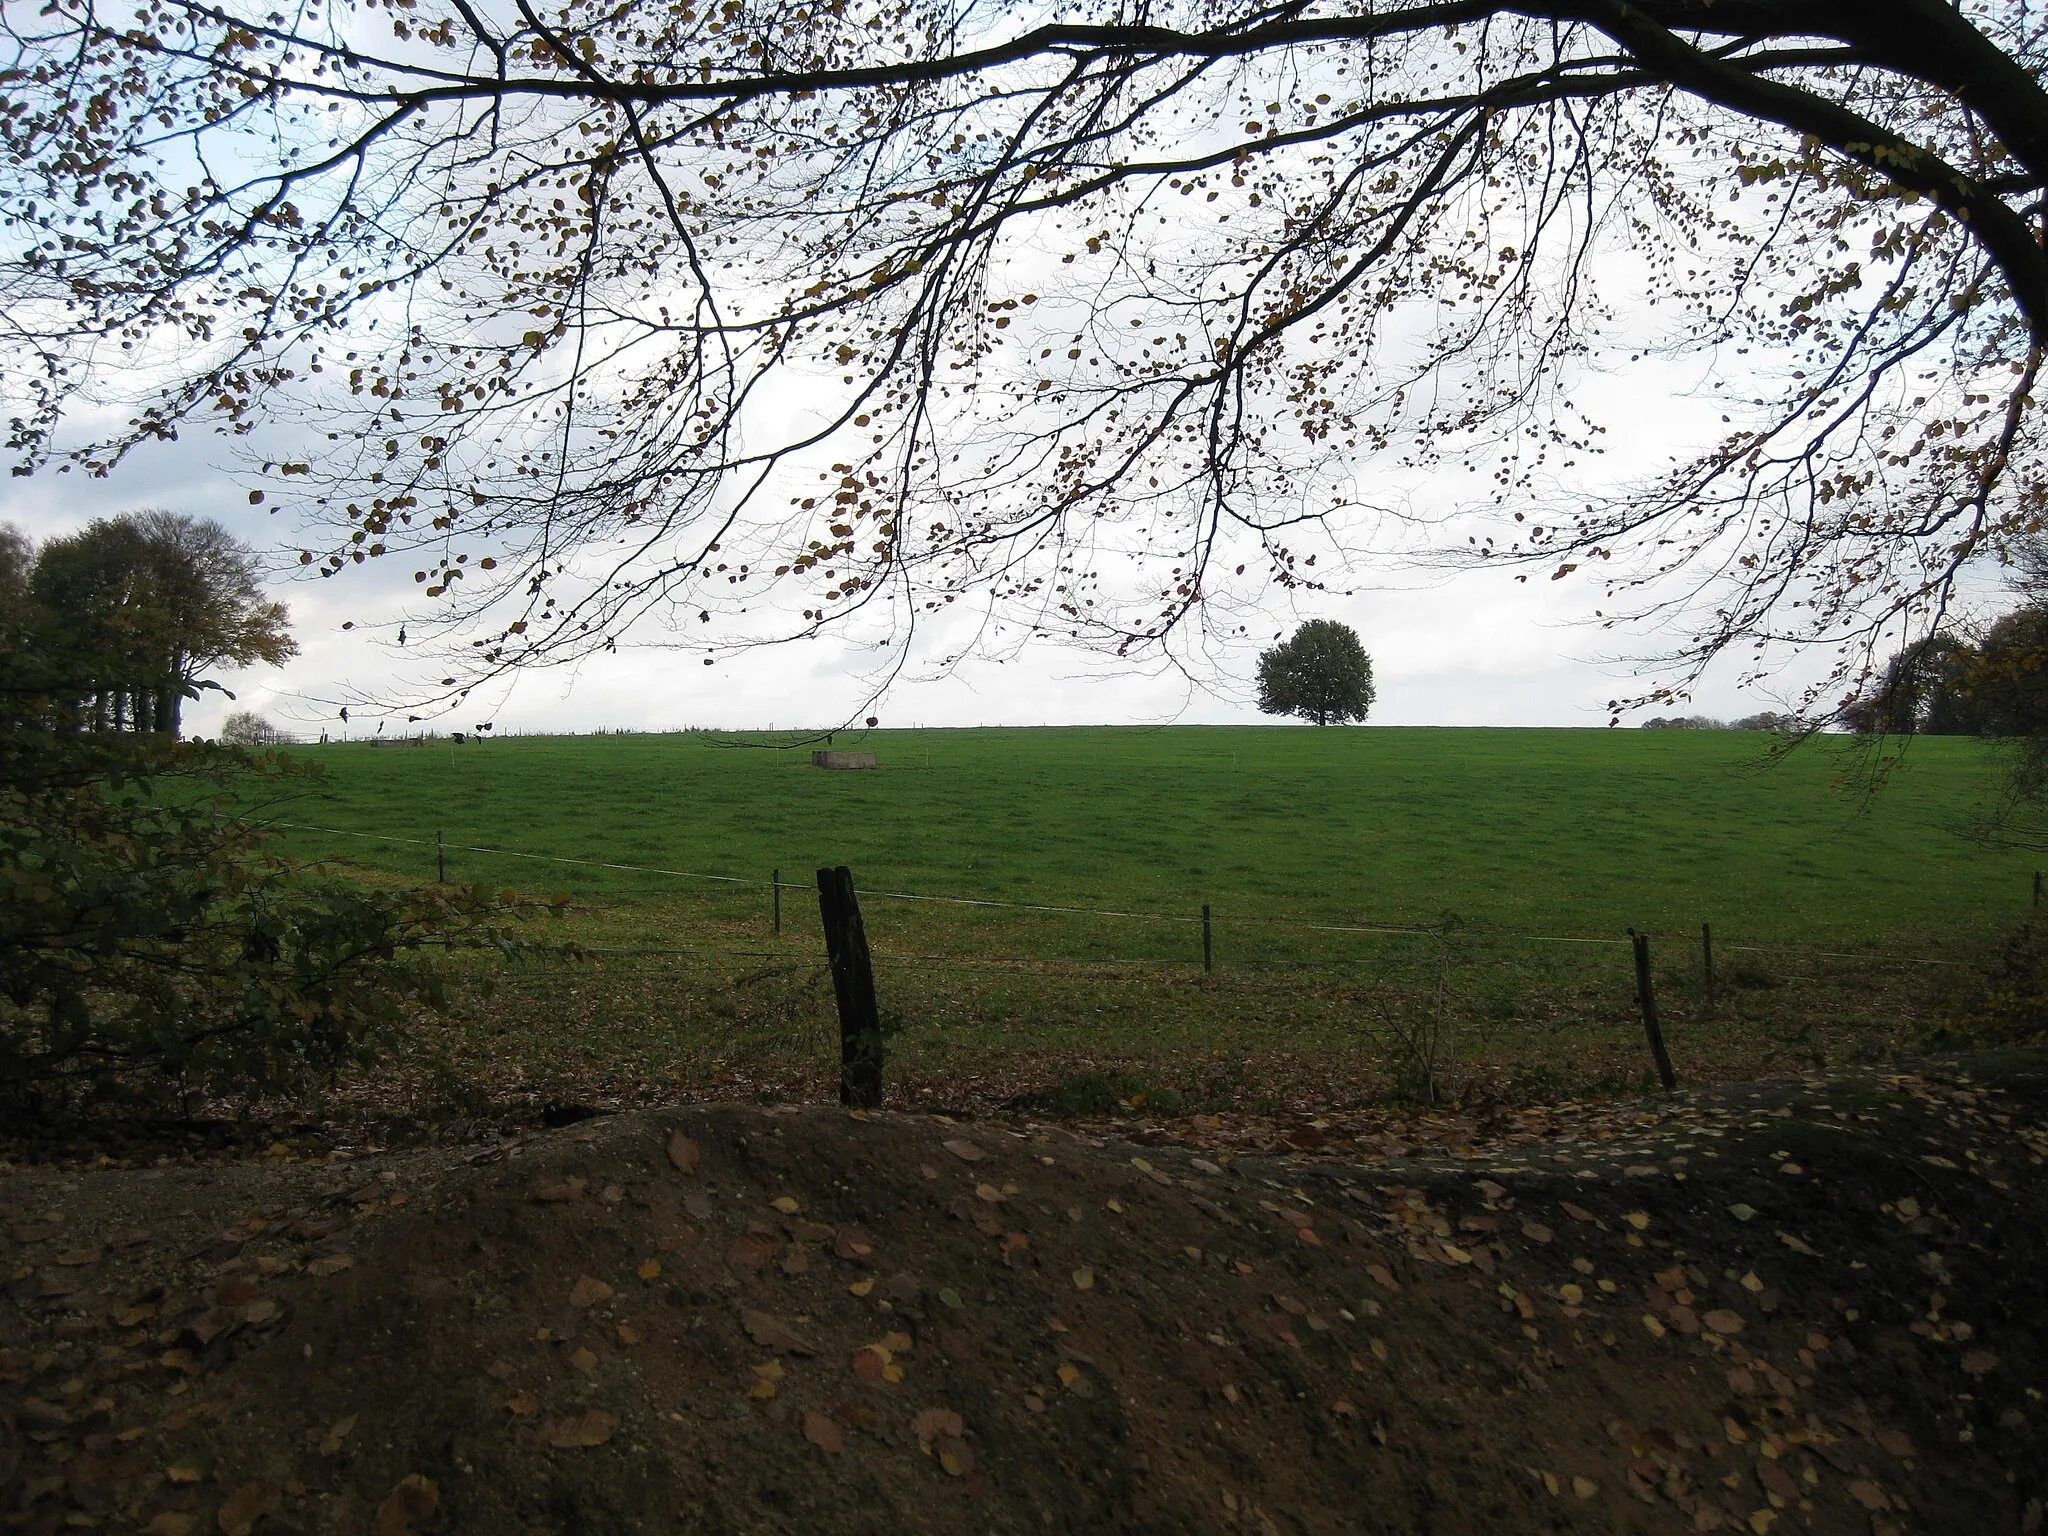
1845, 1363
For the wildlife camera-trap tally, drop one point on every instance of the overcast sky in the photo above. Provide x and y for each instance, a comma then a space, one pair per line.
1475, 649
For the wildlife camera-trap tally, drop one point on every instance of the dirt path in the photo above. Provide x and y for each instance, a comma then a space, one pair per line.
1811, 1306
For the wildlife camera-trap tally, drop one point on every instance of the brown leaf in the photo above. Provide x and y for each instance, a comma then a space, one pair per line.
1897, 1442
852, 1244
249, 1503
682, 1152
869, 1364
337, 1432
522, 1406
1721, 1320
592, 1427
333, 1264
789, 1205
1869, 1495
1980, 1362
650, 1269
407, 1506
1536, 1232
80, 1257
966, 1151
953, 1455
822, 1432
796, 1260
1576, 1212
936, 1423
750, 1250
588, 1292
172, 1522
1384, 1276
770, 1332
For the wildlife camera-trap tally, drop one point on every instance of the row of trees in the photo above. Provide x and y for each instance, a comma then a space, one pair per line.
133, 611
1947, 685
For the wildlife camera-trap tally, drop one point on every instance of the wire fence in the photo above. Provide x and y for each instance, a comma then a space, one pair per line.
1307, 925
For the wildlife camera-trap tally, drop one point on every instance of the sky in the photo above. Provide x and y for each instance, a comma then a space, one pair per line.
1475, 649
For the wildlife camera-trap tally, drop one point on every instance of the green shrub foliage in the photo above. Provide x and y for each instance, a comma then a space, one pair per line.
152, 947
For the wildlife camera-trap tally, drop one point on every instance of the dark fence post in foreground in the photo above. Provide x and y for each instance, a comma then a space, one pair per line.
853, 984
1707, 961
1648, 999
777, 883
1208, 952
441, 856
2037, 887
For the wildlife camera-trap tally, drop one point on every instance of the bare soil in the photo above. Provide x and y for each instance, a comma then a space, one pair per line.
1814, 1306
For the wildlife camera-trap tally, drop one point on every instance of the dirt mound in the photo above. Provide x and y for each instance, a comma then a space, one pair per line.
1813, 1308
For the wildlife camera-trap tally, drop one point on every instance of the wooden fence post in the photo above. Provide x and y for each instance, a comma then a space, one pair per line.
1208, 951
776, 881
1648, 999
1707, 960
441, 857
853, 984
2037, 887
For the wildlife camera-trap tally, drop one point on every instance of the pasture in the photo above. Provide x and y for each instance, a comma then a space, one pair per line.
1394, 911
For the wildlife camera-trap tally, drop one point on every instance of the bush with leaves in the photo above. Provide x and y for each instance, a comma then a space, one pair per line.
152, 948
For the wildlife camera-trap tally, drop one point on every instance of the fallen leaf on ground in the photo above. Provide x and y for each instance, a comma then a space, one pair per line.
333, 1264
1897, 1442
820, 1430
522, 1406
588, 1292
1084, 1279
1585, 1487
628, 1334
1980, 1362
1721, 1320
1384, 1276
750, 1250
1742, 1212
80, 1257
408, 1505
935, 1423
1576, 1212
189, 1469
249, 1503
592, 1427
650, 1269
682, 1152
862, 1287
789, 1205
172, 1522
853, 1244
954, 1455
338, 1431
1536, 1232
770, 1332
1869, 1495
966, 1151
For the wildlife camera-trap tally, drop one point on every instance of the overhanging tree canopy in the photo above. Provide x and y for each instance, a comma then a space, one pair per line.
1097, 314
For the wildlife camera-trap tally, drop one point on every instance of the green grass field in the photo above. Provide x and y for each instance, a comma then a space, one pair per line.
1526, 836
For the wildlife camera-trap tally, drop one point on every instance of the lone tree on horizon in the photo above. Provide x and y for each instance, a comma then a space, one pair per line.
1321, 674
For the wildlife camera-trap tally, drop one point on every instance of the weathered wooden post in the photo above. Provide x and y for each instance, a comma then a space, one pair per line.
1707, 961
2037, 887
853, 984
776, 881
1208, 952
441, 856
1648, 999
